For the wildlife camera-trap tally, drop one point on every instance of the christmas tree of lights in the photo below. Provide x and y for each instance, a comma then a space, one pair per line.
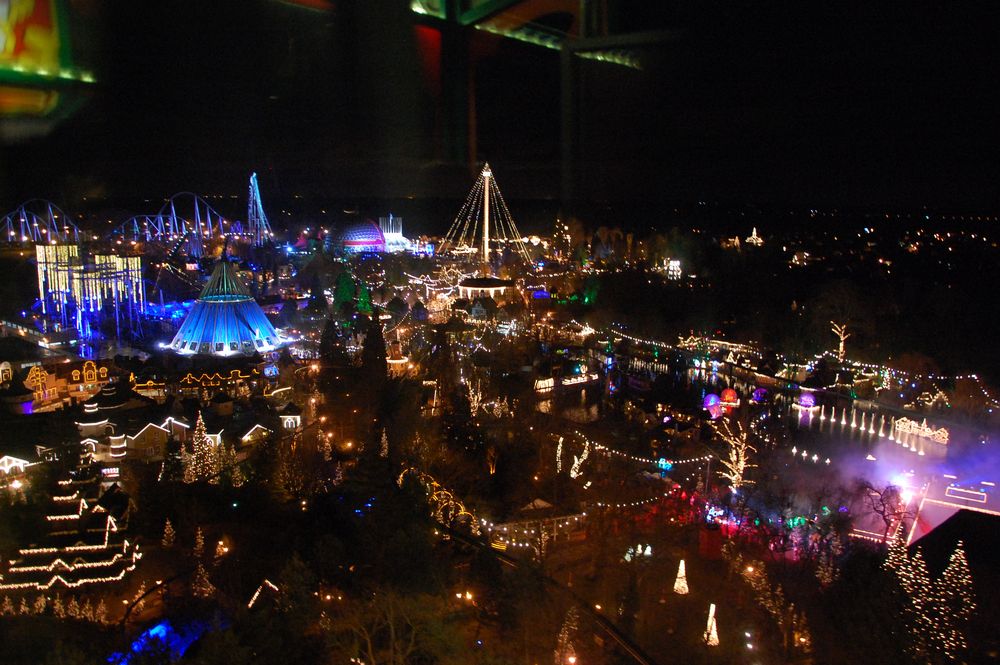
681, 583
955, 585
236, 476
201, 586
711, 636
199, 544
203, 458
936, 613
227, 463
187, 464
101, 612
169, 535
956, 601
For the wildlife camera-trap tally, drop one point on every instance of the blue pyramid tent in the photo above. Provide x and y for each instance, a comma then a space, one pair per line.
225, 319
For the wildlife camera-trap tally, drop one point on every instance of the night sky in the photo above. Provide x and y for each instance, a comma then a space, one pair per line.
825, 104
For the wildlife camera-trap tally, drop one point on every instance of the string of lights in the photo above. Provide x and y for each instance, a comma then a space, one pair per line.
512, 534
638, 458
639, 340
632, 504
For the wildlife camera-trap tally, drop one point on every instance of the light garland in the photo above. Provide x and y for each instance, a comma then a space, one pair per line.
70, 567
266, 583
632, 338
632, 504
637, 458
506, 532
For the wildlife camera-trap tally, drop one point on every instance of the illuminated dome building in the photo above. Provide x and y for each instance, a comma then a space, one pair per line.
363, 237
225, 320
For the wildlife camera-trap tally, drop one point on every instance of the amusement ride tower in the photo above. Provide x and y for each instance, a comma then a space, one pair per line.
483, 222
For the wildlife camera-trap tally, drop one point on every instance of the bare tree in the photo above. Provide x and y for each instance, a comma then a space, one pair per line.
886, 502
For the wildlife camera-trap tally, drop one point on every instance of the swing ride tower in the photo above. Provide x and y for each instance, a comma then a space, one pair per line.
484, 223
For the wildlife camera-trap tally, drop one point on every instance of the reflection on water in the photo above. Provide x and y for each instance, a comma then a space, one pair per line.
835, 427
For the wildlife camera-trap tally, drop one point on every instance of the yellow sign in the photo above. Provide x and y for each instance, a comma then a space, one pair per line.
29, 36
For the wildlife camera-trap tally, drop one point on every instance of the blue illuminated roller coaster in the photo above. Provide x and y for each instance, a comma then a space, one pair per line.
38, 221
188, 216
184, 215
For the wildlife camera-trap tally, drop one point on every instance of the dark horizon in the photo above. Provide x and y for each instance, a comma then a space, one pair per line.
805, 106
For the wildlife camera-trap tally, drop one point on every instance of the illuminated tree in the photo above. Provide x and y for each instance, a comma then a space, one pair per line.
187, 464
564, 642
199, 544
101, 612
204, 461
681, 583
826, 570
364, 299
791, 623
897, 551
138, 598
711, 636
956, 585
920, 611
228, 464
58, 610
220, 551
39, 606
23, 608
7, 609
956, 602
736, 461
73, 608
169, 535
201, 586
343, 292
840, 330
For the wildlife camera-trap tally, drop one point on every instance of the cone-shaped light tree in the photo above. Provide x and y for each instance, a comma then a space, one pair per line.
681, 583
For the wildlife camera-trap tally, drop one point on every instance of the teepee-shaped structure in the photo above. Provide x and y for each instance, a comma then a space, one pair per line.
484, 223
225, 319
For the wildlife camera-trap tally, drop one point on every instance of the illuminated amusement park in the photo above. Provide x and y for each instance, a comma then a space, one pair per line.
381, 410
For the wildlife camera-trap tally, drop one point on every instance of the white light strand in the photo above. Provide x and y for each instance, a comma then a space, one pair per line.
638, 458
